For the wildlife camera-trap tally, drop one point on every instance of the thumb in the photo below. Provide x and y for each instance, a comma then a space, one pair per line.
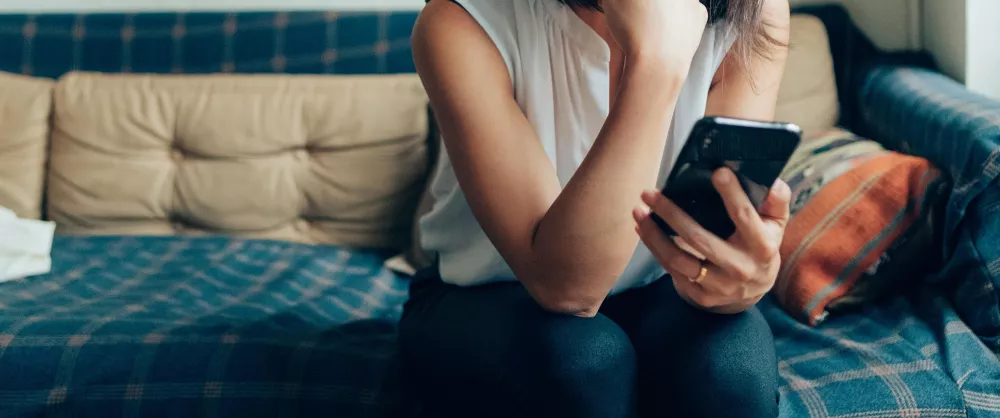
776, 205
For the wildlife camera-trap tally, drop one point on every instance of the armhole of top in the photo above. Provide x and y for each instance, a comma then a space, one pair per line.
725, 39
489, 20
453, 1
723, 43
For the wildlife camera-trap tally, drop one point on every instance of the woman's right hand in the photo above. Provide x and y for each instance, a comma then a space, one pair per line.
663, 30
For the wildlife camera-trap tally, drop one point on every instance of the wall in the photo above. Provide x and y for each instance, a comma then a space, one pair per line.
944, 30
962, 35
890, 23
982, 72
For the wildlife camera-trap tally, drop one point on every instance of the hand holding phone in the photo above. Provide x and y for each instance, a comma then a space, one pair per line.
756, 152
712, 268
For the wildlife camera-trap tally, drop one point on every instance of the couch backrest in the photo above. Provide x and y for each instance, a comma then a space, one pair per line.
336, 160
327, 159
300, 42
25, 105
808, 95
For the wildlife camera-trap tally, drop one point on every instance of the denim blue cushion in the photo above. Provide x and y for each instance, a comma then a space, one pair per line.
923, 113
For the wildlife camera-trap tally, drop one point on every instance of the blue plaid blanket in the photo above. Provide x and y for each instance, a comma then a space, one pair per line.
924, 113
218, 327
910, 356
182, 327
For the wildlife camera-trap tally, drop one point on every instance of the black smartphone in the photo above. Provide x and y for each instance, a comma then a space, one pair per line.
756, 151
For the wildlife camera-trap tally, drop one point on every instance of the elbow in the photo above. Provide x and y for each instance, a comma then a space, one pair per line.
565, 291
568, 303
563, 288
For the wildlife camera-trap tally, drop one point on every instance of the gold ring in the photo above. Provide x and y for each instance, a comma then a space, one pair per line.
701, 274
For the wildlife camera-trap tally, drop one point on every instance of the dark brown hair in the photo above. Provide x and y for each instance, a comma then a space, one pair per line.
742, 19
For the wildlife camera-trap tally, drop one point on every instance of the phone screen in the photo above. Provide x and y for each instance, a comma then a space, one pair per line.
756, 177
756, 154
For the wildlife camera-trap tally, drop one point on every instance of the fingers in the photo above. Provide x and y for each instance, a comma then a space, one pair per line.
696, 294
715, 249
775, 214
672, 258
743, 213
776, 206
712, 290
717, 293
716, 283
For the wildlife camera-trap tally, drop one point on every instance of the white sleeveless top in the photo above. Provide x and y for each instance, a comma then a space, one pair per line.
560, 72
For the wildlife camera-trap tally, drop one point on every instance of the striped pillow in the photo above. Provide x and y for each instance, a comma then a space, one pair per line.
862, 221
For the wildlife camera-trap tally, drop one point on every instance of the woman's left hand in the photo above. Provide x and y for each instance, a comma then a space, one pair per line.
740, 270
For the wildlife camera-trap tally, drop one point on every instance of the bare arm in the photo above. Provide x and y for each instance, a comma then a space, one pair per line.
567, 246
742, 268
735, 94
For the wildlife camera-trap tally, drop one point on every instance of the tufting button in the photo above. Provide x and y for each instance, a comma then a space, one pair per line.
304, 228
176, 154
302, 155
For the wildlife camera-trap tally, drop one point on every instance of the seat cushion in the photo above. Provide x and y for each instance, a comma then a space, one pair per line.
909, 356
313, 159
25, 106
176, 326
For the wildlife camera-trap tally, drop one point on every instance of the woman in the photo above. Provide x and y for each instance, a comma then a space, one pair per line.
559, 117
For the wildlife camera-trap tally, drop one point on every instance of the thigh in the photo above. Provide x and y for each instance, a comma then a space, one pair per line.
492, 351
696, 363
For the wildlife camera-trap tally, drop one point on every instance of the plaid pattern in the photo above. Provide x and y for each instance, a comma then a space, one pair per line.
219, 327
198, 327
195, 43
924, 113
910, 356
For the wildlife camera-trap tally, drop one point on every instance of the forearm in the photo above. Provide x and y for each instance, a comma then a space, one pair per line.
586, 239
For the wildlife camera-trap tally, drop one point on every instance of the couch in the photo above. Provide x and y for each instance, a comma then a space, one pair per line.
229, 189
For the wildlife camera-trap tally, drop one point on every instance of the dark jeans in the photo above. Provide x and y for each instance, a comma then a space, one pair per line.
492, 351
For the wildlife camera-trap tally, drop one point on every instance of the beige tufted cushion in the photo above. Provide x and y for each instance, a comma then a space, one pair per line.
25, 105
318, 159
808, 95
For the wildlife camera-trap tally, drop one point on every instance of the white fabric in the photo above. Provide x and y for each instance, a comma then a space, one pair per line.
25, 246
560, 72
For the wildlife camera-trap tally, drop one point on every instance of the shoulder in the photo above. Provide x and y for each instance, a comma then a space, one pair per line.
463, 29
769, 39
489, 15
776, 9
776, 16
448, 42
446, 24
440, 18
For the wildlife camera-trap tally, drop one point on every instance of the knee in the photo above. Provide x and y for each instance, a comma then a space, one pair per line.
744, 368
572, 350
736, 363
577, 368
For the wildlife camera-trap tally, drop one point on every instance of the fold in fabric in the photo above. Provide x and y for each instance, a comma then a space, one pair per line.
25, 246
